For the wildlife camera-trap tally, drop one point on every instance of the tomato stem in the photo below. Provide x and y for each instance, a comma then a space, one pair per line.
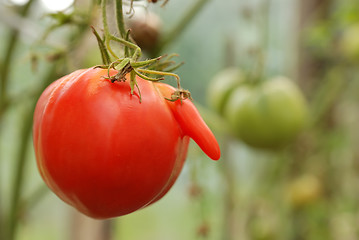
128, 52
137, 54
119, 18
256, 75
104, 17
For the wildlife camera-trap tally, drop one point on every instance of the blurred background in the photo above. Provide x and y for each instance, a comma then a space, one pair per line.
307, 188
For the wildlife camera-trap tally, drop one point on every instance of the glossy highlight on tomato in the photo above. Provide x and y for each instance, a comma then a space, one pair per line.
105, 152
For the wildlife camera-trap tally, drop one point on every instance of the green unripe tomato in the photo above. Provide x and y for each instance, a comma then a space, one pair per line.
267, 114
349, 43
221, 86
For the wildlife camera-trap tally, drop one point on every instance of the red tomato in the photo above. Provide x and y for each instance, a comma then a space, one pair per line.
106, 153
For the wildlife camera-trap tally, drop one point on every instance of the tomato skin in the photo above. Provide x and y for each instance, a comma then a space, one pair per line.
267, 115
103, 151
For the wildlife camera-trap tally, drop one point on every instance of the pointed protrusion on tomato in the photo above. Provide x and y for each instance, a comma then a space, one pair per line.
192, 123
194, 126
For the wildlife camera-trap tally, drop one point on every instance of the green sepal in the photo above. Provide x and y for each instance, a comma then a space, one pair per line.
104, 54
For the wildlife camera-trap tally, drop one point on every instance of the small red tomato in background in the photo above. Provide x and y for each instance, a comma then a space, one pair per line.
106, 153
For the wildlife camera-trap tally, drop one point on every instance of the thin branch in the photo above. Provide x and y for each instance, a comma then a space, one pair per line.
11, 44
35, 197
20, 161
4, 78
119, 18
19, 175
104, 16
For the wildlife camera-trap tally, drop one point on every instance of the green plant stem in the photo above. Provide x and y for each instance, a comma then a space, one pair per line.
229, 196
34, 198
4, 77
124, 35
179, 27
104, 17
9, 53
119, 18
21, 162
19, 175
107, 34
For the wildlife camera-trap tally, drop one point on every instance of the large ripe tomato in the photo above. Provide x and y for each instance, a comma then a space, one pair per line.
268, 114
106, 153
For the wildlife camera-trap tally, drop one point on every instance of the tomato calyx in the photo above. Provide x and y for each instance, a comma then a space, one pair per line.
153, 70
143, 69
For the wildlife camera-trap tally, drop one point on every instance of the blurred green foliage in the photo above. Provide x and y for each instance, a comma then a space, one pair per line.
309, 190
